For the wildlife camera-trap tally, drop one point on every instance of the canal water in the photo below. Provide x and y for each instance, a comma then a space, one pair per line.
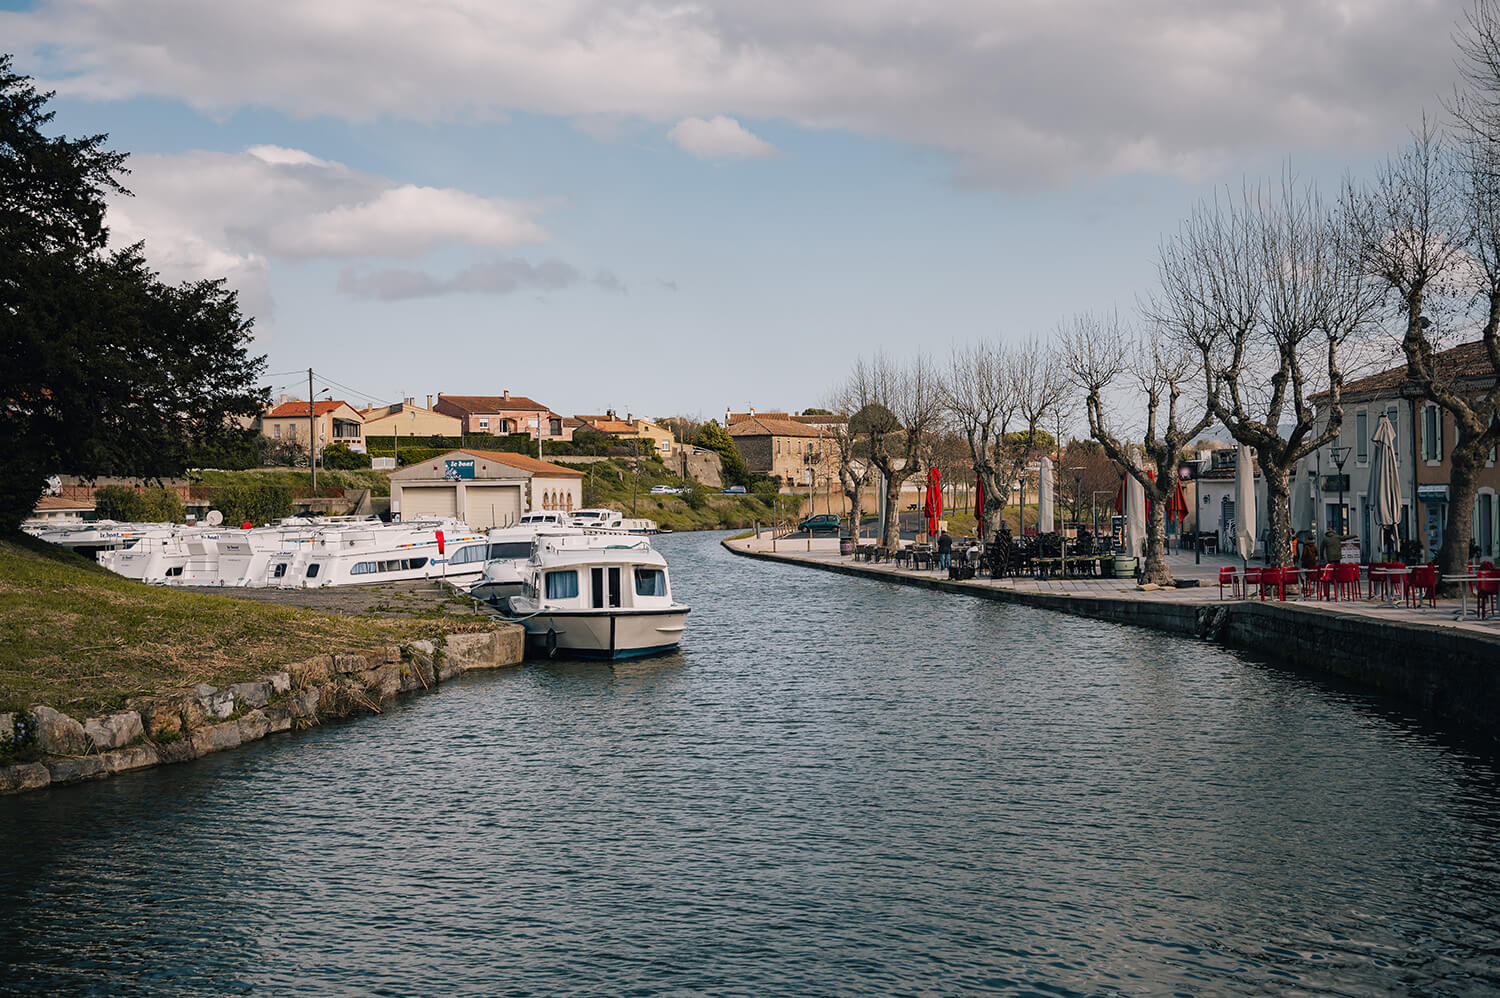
837, 787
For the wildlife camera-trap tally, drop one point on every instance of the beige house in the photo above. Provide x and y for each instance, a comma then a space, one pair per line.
483, 488
336, 422
658, 437
407, 419
500, 415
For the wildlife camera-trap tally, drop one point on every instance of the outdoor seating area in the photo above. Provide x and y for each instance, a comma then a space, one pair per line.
1380, 583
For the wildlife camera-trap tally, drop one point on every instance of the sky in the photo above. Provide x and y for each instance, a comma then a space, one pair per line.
673, 207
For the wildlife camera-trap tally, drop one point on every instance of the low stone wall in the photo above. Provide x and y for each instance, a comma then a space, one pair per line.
185, 724
1451, 673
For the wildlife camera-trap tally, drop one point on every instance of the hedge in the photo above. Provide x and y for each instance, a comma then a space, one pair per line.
253, 502
119, 502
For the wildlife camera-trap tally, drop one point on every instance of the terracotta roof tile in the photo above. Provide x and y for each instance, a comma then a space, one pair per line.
292, 409
493, 403
766, 426
1465, 361
525, 462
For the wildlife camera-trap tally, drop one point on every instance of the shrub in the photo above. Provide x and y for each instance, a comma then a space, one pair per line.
340, 457
253, 502
120, 502
695, 498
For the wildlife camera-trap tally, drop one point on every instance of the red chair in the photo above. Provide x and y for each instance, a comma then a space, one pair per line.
1346, 582
1487, 588
1273, 580
1230, 576
1252, 581
1323, 576
1421, 584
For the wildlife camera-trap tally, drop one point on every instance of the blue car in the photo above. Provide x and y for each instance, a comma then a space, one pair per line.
734, 490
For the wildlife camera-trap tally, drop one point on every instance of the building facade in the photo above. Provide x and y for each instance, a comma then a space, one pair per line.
483, 488
501, 415
786, 449
407, 419
334, 422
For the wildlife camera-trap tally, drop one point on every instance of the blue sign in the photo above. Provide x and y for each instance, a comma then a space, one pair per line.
459, 469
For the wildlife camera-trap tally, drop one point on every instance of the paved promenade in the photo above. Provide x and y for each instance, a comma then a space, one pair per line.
823, 551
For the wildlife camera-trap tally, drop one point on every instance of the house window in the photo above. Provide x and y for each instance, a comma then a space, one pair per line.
484, 422
1432, 433
276, 430
1361, 437
291, 431
554, 427
506, 426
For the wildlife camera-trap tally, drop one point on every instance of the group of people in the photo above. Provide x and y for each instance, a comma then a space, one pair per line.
1010, 555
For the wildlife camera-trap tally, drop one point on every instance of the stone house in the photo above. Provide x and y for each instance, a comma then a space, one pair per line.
786, 449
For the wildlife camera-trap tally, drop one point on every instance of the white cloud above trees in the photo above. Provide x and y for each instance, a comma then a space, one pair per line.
1014, 93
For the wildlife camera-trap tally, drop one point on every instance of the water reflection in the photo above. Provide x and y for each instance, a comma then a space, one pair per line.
836, 787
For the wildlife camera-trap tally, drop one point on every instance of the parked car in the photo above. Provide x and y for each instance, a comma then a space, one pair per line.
666, 490
734, 490
820, 522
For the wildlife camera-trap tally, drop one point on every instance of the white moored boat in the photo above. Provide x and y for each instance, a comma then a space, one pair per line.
597, 596
508, 552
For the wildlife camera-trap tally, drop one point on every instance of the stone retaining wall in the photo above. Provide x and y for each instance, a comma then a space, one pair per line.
1451, 673
186, 724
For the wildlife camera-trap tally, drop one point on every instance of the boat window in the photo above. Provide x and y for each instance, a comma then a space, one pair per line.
562, 585
312, 570
280, 570
650, 582
173, 573
394, 565
596, 590
511, 549
614, 587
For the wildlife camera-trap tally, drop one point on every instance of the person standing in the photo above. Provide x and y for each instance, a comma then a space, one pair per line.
944, 551
1333, 546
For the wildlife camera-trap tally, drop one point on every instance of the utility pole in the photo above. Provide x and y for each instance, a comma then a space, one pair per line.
312, 434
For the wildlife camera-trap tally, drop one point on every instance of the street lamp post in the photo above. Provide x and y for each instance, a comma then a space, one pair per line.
1340, 455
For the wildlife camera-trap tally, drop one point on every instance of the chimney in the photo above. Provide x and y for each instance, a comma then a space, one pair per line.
409, 400
629, 418
283, 398
507, 394
429, 401
726, 415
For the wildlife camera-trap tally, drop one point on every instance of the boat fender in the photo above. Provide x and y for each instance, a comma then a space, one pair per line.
551, 642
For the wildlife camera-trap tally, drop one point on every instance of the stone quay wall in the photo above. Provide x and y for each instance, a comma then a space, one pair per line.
188, 723
1447, 672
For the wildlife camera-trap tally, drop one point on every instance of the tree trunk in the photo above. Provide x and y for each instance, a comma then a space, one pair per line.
855, 515
1156, 543
1463, 486
891, 538
1279, 525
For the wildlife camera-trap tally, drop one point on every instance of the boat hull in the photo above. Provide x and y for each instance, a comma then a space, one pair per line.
606, 634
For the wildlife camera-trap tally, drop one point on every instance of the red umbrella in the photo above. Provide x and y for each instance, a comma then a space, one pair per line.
979, 507
1177, 509
934, 499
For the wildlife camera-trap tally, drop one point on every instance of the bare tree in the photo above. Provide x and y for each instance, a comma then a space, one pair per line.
849, 400
1101, 353
1268, 289
1000, 398
1430, 228
905, 403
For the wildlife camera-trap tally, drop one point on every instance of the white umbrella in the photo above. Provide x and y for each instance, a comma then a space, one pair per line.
1385, 481
1302, 497
1044, 514
1244, 504
1135, 516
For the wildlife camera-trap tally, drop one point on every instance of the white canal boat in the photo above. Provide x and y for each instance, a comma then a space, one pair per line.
597, 596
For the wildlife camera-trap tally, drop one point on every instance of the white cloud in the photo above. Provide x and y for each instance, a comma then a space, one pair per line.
1018, 91
719, 138
208, 214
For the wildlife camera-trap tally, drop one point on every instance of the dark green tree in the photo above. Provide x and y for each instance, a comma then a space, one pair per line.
732, 464
104, 370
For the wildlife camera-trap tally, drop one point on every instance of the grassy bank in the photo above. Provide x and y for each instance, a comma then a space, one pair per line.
80, 639
614, 484
378, 482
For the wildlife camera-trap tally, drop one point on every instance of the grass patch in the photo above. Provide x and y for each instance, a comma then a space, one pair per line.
81, 639
378, 482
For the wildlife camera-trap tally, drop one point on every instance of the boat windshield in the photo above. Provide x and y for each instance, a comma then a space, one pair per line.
510, 550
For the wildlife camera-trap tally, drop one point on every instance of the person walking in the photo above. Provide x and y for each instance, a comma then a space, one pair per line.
944, 551
1333, 546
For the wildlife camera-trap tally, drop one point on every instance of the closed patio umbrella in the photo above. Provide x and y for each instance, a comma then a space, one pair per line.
1385, 482
1244, 504
979, 497
1301, 499
1044, 511
1135, 517
934, 500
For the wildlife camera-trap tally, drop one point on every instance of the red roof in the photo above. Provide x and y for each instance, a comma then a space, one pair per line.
494, 403
1461, 363
287, 409
767, 426
525, 462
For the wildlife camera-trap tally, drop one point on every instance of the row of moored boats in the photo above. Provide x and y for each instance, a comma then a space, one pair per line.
586, 582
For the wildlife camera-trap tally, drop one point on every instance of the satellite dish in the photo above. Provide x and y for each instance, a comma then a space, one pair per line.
214, 518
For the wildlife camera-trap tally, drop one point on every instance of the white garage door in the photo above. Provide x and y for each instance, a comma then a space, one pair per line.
428, 500
488, 506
